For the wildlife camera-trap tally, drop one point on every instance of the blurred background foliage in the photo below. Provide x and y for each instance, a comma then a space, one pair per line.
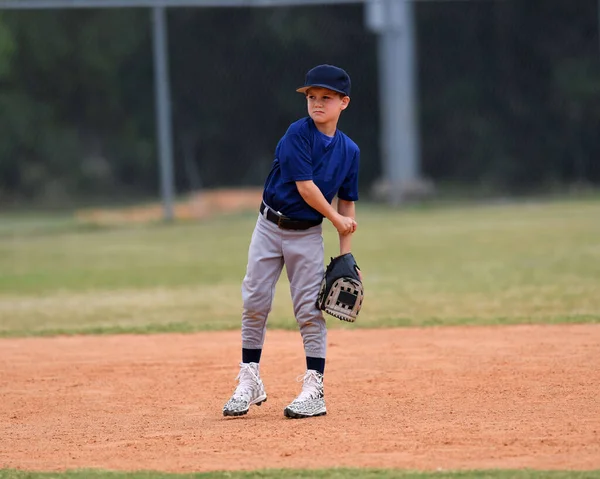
509, 95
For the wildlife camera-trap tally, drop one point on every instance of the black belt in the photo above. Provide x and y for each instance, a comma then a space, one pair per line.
286, 223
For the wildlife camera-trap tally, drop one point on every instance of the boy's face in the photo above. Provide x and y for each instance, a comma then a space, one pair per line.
325, 106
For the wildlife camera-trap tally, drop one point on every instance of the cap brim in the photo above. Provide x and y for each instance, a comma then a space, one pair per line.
305, 88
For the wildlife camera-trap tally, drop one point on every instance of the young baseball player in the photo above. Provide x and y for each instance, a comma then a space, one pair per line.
314, 162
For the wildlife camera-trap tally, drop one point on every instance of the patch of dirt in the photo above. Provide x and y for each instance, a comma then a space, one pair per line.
441, 398
197, 206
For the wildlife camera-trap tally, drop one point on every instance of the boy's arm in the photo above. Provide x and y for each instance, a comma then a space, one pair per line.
314, 198
346, 208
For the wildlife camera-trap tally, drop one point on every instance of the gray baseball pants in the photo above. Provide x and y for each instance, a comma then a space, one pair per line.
302, 252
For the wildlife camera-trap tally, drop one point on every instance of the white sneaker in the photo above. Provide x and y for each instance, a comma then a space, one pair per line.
311, 401
250, 390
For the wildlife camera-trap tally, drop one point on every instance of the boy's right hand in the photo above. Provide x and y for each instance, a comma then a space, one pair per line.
345, 225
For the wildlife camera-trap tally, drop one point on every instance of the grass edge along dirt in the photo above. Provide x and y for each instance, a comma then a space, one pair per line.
341, 473
191, 328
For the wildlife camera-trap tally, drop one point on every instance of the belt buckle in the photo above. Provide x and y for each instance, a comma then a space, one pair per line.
280, 219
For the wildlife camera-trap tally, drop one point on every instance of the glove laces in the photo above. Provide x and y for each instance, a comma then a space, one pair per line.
312, 387
248, 379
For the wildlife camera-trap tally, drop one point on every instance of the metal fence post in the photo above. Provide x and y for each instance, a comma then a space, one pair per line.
163, 110
393, 21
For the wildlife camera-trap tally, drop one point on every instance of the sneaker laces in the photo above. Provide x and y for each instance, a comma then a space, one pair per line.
248, 379
312, 387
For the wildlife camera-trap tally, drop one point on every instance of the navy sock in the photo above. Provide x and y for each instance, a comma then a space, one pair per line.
251, 355
318, 364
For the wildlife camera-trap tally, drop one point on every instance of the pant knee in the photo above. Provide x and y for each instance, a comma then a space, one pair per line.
257, 299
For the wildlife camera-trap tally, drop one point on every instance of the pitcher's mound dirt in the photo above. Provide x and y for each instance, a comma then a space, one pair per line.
449, 398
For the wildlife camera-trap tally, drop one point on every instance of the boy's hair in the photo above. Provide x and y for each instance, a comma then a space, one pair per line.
341, 95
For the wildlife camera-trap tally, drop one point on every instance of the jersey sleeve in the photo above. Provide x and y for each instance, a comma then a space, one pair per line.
349, 189
295, 158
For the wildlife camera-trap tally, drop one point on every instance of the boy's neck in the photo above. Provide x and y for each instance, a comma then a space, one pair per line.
327, 129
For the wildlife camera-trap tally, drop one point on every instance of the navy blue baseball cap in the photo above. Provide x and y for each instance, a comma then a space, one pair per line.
327, 76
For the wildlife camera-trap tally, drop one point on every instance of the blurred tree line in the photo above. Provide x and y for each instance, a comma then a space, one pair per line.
509, 94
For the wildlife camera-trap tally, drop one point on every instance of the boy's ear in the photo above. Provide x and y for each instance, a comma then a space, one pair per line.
345, 102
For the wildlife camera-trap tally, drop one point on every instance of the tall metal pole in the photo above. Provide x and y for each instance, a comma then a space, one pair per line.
408, 131
393, 21
163, 113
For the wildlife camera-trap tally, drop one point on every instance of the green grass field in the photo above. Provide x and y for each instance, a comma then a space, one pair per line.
495, 264
534, 263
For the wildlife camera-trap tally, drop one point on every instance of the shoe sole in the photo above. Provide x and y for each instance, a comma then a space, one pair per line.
257, 402
287, 412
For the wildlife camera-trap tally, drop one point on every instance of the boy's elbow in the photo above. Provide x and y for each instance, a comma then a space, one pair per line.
304, 188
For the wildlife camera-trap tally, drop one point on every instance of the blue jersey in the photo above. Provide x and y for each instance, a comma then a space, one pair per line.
304, 153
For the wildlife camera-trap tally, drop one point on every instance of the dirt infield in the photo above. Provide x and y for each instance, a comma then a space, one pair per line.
449, 398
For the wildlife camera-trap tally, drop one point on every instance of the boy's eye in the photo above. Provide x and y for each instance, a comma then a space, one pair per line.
326, 97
